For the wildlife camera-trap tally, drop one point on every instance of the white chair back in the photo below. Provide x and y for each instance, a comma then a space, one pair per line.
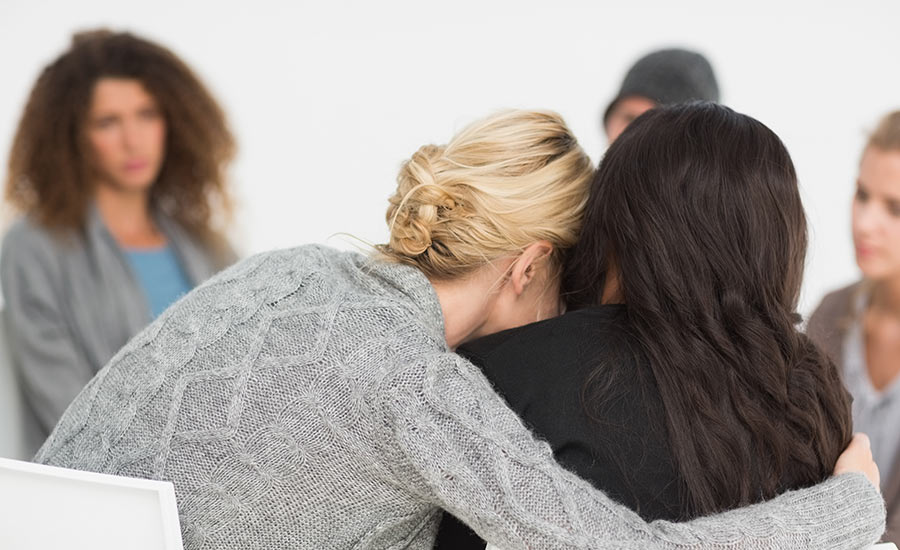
46, 507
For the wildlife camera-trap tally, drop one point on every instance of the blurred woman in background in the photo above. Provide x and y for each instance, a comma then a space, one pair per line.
118, 169
859, 325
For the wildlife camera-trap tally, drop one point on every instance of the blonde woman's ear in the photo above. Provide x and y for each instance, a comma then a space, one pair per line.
530, 265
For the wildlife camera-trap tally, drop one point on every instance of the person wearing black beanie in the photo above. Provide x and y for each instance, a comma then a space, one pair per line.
662, 77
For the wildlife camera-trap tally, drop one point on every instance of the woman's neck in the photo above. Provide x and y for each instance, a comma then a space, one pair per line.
612, 288
126, 215
463, 315
507, 292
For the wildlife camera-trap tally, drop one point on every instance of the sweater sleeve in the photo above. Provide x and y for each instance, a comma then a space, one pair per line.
453, 442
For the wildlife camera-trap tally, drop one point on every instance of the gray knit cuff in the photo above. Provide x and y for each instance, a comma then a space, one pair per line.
850, 511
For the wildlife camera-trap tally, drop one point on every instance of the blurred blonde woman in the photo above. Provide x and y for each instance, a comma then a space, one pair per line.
118, 170
310, 398
859, 325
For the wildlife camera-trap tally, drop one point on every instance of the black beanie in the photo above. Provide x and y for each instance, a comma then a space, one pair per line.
667, 77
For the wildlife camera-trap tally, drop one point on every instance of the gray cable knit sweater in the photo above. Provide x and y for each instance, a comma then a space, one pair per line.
306, 398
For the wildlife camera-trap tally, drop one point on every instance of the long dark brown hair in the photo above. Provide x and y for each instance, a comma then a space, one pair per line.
49, 175
697, 210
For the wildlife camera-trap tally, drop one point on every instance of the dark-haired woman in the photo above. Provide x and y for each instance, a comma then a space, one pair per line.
117, 165
678, 382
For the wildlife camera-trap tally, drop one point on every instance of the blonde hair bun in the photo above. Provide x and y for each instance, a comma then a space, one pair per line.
419, 204
499, 185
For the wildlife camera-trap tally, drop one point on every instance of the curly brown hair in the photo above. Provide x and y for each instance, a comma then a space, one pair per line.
49, 175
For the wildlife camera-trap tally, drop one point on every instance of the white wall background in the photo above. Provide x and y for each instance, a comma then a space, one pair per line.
327, 98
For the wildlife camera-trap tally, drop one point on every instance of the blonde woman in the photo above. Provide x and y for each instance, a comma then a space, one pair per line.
859, 325
310, 398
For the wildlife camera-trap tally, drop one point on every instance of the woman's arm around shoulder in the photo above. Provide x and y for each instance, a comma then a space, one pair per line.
452, 441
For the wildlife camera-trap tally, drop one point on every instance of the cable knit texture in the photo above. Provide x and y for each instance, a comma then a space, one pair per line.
306, 398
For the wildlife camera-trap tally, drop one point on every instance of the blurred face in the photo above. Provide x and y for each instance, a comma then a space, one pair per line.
126, 133
876, 214
624, 112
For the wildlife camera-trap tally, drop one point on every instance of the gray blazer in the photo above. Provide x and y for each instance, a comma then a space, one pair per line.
71, 301
828, 327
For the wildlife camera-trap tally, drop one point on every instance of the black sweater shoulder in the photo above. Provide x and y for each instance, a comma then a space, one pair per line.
579, 382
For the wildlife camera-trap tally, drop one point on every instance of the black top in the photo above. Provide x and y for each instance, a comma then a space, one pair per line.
616, 440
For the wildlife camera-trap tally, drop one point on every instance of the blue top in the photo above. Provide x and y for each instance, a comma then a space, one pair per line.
160, 275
